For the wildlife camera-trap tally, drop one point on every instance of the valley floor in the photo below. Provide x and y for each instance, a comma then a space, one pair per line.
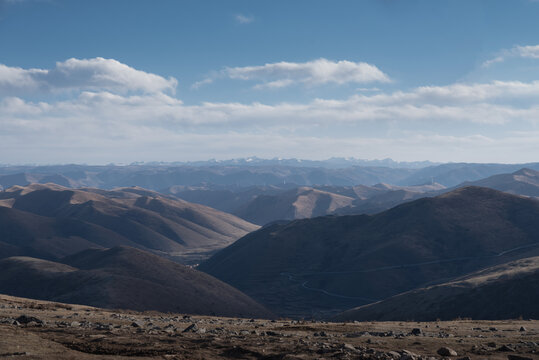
33, 329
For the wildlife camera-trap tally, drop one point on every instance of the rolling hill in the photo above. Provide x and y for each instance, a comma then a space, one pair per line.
506, 291
124, 278
316, 266
299, 203
265, 204
72, 220
522, 182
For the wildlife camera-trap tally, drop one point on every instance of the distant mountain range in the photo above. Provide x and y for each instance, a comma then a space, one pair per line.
335, 162
320, 265
265, 204
124, 278
50, 221
236, 176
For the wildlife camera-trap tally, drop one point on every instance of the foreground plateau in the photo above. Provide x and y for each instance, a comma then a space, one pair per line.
32, 329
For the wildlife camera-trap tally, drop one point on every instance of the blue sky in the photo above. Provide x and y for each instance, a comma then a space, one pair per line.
123, 81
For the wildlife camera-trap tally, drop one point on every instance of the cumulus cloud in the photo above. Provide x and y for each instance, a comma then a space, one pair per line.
316, 72
526, 52
83, 74
115, 115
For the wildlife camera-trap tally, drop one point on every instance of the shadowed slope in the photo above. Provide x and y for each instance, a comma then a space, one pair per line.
505, 291
124, 277
23, 233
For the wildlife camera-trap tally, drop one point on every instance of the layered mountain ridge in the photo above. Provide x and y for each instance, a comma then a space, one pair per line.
327, 263
72, 220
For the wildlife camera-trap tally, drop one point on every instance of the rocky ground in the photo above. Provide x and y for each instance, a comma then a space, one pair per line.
31, 329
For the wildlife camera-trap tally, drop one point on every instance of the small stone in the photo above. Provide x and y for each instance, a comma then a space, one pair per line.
23, 319
416, 331
506, 348
407, 352
191, 328
349, 347
522, 328
136, 324
446, 351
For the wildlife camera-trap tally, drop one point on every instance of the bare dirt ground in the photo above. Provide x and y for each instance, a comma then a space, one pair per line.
32, 329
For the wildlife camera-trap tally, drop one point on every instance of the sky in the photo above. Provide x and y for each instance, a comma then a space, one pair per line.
124, 81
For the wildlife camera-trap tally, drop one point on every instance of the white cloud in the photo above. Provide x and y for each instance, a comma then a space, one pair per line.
475, 103
106, 115
531, 51
244, 19
82, 74
526, 52
316, 72
128, 116
201, 83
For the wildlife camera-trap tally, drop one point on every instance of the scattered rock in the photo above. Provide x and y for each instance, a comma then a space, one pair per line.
446, 351
321, 334
522, 328
102, 327
416, 331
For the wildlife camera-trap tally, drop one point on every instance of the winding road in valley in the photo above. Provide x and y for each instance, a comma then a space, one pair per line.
300, 278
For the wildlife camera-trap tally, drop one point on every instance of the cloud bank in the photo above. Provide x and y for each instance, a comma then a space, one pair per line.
311, 73
117, 113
